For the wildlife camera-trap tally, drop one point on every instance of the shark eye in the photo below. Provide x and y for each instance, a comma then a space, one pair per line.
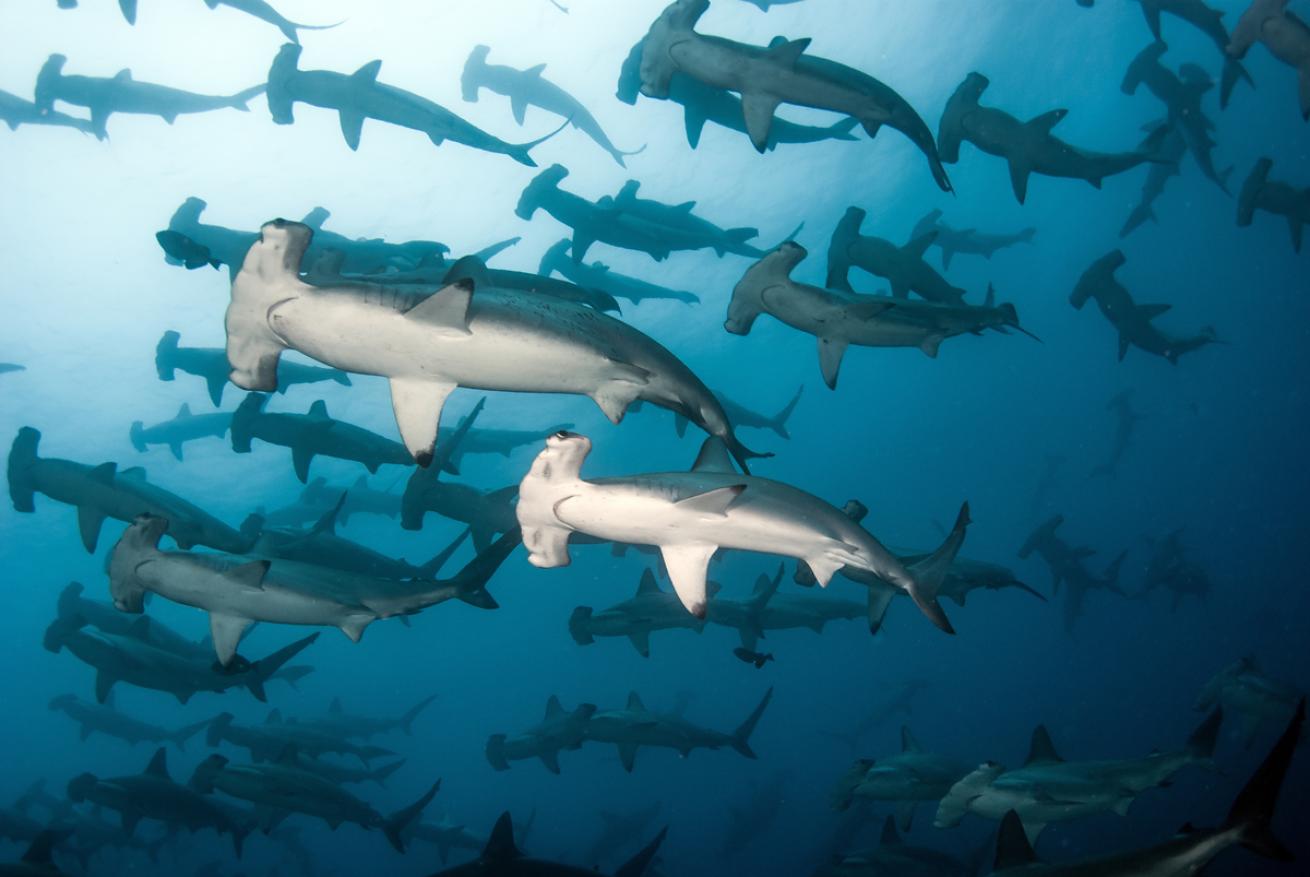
563, 434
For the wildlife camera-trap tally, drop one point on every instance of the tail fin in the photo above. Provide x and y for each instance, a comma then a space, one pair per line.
1233, 71
844, 793
137, 436
262, 670
407, 720
519, 151
1253, 810
1201, 743
929, 573
778, 423
22, 457
580, 626
640, 863
1248, 199
496, 752
382, 774
471, 581
441, 558
741, 736
395, 824
185, 733
239, 100
38, 854
843, 130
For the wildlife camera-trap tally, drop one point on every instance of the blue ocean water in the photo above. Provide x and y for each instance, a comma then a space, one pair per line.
1216, 451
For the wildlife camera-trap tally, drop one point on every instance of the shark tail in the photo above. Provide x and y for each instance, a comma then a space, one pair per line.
289, 28
519, 151
382, 774
442, 557
239, 100
1233, 71
843, 795
137, 436
496, 752
407, 720
263, 669
741, 453
927, 575
843, 130
185, 733
22, 459
580, 626
741, 736
394, 825
778, 423
471, 581
1249, 197
641, 862
1253, 810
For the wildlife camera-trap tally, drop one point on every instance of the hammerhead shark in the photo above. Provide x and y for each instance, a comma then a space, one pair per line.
968, 241
1209, 22
1276, 197
123, 94
1283, 33
1133, 321
15, 111
526, 88
1029, 147
358, 96
768, 76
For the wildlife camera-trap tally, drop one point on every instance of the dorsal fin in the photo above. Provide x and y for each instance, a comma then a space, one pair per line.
1046, 121
890, 836
788, 52
38, 854
1012, 847
647, 585
448, 307
535, 71
319, 411
908, 743
1042, 750
124, 75
634, 702
328, 523
713, 457
468, 268
554, 709
990, 300
274, 717
104, 473
686, 206
184, 411
316, 217
501, 848
369, 72
158, 766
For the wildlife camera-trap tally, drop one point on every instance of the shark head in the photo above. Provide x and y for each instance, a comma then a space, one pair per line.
542, 185
45, 92
471, 79
562, 458
280, 249
683, 14
284, 69
138, 542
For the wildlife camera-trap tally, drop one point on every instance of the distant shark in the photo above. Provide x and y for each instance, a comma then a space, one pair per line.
636, 618
967, 241
558, 730
184, 427
1067, 565
1133, 321
1029, 147
598, 275
911, 777
211, 364
1246, 692
15, 111
1125, 423
95, 718
526, 88
1210, 23
358, 96
122, 94
903, 267
635, 726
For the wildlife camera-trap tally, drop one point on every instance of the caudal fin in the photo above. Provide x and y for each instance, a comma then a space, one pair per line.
741, 736
471, 581
239, 100
381, 775
1252, 812
395, 824
519, 151
407, 720
929, 573
262, 670
778, 423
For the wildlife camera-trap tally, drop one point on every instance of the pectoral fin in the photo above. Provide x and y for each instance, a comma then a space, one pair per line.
301, 457
1019, 171
831, 351
519, 107
417, 404
688, 565
226, 632
550, 758
641, 642
89, 521
352, 126
628, 755
757, 110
